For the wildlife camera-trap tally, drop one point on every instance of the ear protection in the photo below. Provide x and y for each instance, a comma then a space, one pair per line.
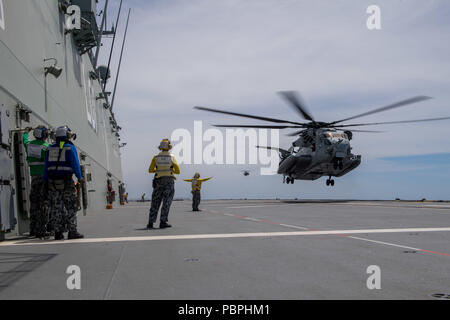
40, 132
165, 145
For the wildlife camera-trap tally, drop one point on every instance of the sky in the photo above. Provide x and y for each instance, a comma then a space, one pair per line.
235, 55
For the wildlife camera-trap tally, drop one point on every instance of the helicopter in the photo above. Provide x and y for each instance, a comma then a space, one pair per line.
321, 148
246, 173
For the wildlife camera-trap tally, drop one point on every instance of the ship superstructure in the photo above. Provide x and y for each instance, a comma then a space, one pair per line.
49, 75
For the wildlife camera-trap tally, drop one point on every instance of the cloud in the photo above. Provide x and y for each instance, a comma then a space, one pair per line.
236, 54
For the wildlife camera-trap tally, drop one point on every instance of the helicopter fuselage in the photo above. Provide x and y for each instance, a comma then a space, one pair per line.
319, 153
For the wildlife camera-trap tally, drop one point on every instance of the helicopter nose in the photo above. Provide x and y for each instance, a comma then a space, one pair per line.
341, 150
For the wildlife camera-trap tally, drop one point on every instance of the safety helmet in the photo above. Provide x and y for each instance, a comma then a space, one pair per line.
40, 133
63, 133
196, 175
165, 145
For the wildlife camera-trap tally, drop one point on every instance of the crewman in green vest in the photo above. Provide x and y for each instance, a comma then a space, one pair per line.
36, 157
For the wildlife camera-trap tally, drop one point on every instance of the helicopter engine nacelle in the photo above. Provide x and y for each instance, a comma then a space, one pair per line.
299, 161
307, 137
299, 142
349, 134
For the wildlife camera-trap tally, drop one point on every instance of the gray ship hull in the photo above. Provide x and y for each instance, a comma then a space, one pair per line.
31, 32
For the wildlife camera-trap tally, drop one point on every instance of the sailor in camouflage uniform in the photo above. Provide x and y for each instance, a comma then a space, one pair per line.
165, 166
61, 162
35, 157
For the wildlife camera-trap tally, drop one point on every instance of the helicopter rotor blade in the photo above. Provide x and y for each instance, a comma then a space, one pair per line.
254, 126
280, 150
385, 108
389, 122
246, 115
293, 134
297, 103
365, 131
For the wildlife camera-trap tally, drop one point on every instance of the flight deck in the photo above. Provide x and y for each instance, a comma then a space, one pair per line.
242, 249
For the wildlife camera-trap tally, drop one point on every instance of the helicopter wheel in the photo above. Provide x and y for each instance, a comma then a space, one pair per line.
292, 180
288, 180
332, 183
328, 182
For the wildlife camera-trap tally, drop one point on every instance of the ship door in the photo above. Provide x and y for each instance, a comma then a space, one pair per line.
23, 184
7, 219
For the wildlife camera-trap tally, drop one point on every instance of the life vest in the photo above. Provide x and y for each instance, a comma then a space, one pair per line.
164, 165
196, 185
59, 163
36, 157
35, 154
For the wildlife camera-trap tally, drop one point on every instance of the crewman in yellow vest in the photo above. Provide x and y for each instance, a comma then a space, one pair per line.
165, 166
196, 183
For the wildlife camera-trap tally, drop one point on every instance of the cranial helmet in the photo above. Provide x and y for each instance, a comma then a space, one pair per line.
196, 175
63, 133
165, 145
40, 133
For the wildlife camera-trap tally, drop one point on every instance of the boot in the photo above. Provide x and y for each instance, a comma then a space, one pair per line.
75, 235
44, 235
150, 226
59, 236
164, 225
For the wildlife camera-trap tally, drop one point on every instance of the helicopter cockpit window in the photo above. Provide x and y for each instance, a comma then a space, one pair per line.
326, 139
336, 135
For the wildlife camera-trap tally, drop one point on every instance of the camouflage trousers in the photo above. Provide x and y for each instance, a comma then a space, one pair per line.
39, 215
162, 192
63, 205
195, 200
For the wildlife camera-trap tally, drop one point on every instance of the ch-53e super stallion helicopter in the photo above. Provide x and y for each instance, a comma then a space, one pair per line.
322, 148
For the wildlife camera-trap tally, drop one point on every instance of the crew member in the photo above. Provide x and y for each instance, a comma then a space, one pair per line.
35, 157
165, 166
61, 162
196, 183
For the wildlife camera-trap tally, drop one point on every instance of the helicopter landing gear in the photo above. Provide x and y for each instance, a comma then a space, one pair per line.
290, 180
330, 182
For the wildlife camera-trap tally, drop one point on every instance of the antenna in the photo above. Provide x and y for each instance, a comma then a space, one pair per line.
101, 33
114, 39
120, 60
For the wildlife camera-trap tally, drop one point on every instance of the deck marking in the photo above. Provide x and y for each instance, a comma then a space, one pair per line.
219, 236
108, 291
295, 227
339, 235
358, 204
228, 214
434, 252
252, 219
263, 206
271, 222
385, 243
